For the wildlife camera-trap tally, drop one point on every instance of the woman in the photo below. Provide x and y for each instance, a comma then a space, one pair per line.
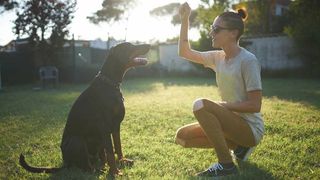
235, 123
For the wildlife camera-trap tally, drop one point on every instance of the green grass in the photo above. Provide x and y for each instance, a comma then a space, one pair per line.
32, 122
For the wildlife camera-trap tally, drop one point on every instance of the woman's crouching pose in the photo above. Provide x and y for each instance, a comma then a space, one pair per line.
235, 123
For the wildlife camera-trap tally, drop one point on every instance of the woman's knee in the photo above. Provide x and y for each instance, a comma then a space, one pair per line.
198, 104
206, 104
185, 133
203, 103
180, 137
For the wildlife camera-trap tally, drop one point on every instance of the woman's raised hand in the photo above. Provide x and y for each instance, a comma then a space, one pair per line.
184, 11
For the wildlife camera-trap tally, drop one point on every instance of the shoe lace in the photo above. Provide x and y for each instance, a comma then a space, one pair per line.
215, 167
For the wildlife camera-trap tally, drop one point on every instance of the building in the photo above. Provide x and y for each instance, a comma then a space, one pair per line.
15, 45
279, 7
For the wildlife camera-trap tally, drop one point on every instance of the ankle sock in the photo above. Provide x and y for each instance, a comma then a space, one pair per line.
227, 165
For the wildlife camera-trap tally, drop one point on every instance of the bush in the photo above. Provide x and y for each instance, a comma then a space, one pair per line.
303, 27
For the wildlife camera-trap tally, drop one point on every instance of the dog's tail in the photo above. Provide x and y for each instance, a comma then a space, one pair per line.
29, 168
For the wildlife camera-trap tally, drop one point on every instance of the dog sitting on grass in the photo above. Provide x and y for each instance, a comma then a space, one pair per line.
93, 124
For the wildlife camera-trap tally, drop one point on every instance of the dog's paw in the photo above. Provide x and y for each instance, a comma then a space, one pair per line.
124, 162
102, 167
115, 172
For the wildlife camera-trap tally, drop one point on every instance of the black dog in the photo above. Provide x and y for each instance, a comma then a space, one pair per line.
96, 116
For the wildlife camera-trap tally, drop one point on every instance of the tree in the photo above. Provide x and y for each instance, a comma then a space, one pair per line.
261, 17
40, 20
112, 10
172, 10
206, 15
201, 18
304, 25
8, 5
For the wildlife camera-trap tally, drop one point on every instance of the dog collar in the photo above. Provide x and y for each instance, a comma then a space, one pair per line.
107, 80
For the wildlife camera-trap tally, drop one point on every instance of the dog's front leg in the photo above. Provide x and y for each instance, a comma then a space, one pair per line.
118, 149
113, 170
117, 144
112, 164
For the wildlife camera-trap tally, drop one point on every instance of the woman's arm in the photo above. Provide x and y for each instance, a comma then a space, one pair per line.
184, 46
251, 105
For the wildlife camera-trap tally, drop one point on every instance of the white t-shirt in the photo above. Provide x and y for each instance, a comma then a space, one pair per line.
235, 77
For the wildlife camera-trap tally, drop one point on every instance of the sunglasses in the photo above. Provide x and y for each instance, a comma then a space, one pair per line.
217, 29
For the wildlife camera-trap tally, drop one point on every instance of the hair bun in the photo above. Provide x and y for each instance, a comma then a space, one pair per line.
242, 13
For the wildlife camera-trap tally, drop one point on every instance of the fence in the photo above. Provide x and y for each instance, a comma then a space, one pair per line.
17, 68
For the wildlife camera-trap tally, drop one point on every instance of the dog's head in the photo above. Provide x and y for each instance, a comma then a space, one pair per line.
124, 56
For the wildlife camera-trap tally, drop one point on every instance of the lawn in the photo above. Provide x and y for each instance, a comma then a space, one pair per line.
32, 122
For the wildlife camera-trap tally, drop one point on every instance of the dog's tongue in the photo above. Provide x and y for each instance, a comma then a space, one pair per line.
140, 61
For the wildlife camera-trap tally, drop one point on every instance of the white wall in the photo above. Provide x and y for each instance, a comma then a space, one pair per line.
274, 53
170, 60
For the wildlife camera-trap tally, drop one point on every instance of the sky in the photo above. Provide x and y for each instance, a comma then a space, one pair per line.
141, 26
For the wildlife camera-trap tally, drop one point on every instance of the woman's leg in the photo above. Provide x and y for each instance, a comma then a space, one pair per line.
231, 145
192, 136
220, 124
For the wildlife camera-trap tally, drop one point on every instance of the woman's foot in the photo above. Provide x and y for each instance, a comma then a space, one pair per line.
218, 169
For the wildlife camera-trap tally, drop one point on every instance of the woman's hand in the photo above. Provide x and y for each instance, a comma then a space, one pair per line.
251, 105
184, 11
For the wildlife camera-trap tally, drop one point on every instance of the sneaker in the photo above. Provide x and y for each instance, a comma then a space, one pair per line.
242, 153
217, 170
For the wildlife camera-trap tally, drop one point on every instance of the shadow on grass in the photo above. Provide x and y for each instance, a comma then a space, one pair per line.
296, 90
144, 85
250, 170
75, 173
247, 171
